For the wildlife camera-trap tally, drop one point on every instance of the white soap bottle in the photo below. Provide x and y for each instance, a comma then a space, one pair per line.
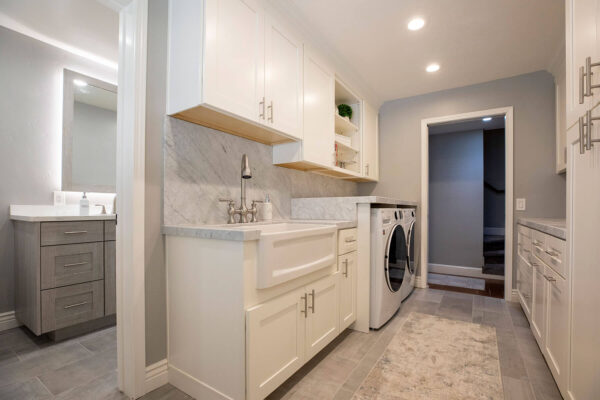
267, 209
84, 205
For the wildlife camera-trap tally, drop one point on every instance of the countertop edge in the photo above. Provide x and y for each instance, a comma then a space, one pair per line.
544, 225
62, 218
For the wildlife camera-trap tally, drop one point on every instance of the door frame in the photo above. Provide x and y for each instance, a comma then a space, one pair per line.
508, 200
131, 133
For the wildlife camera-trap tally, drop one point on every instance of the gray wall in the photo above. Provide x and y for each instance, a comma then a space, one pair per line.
31, 132
456, 199
494, 174
531, 95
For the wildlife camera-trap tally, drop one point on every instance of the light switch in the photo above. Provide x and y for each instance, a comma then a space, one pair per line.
521, 204
59, 198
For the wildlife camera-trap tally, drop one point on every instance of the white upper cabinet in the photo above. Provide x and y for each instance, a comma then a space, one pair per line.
370, 142
283, 79
234, 56
233, 68
581, 25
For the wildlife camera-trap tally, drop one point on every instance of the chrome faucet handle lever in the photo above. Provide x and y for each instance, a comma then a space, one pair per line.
253, 211
230, 210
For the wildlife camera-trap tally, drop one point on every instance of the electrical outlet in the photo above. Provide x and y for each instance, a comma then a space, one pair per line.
59, 198
521, 204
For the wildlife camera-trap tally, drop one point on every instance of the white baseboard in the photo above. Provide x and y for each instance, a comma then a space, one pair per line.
157, 375
488, 230
192, 386
419, 283
462, 271
8, 321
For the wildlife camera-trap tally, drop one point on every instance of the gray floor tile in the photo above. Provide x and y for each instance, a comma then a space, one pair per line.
101, 388
31, 389
101, 341
7, 356
517, 389
511, 363
166, 392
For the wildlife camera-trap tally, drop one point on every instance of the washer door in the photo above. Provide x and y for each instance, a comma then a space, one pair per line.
411, 248
396, 258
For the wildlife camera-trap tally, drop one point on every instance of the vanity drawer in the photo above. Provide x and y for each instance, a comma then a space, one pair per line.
555, 255
538, 244
110, 230
524, 246
524, 231
70, 305
53, 233
347, 240
71, 263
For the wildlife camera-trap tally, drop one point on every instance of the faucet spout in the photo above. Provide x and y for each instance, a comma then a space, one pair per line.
246, 174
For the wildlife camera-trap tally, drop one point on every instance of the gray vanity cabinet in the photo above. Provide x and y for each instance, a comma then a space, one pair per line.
64, 273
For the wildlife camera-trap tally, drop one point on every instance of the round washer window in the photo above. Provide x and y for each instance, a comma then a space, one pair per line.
396, 258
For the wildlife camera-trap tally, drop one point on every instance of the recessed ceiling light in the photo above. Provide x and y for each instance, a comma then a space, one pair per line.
487, 119
79, 82
416, 23
433, 67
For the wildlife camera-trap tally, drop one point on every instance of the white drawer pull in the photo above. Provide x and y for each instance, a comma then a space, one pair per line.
75, 305
75, 232
552, 253
75, 264
350, 240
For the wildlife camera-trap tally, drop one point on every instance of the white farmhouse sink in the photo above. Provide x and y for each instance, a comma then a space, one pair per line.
289, 250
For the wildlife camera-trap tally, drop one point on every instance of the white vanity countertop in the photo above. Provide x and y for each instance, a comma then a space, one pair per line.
551, 226
42, 213
241, 232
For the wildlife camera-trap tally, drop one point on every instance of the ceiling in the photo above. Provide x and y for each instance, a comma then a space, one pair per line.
86, 25
497, 122
474, 41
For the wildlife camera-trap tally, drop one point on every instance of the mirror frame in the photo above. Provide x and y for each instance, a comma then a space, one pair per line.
67, 136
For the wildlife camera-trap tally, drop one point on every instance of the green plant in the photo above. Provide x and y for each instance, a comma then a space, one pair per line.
345, 110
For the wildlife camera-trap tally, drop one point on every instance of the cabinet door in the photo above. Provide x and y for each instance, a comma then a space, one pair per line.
583, 214
522, 286
110, 278
347, 273
323, 322
283, 79
538, 307
580, 43
234, 57
557, 338
318, 114
370, 142
275, 338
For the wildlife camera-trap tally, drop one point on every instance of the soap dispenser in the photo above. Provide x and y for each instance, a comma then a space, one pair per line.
267, 209
84, 205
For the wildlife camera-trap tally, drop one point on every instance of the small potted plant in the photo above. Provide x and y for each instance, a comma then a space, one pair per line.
345, 111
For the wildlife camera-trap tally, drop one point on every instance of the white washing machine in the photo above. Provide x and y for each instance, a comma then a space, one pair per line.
393, 265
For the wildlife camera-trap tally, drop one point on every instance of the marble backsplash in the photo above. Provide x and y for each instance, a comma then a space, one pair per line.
203, 165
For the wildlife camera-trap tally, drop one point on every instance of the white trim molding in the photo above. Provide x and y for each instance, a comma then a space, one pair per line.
459, 270
509, 197
157, 375
8, 321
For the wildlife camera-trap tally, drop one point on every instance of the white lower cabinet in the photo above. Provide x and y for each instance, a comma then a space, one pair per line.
285, 332
538, 307
557, 333
347, 268
524, 285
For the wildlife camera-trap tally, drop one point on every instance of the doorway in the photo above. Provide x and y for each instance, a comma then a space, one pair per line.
466, 202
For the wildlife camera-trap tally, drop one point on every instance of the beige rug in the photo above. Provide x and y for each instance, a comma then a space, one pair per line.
436, 358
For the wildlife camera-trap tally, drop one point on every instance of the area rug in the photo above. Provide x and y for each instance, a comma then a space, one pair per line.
436, 358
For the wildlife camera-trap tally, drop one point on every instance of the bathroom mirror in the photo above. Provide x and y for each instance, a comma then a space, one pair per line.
89, 150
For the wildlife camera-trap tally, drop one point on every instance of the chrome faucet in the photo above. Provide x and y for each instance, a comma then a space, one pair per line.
243, 211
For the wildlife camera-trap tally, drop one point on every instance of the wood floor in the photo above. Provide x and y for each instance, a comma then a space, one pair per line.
84, 368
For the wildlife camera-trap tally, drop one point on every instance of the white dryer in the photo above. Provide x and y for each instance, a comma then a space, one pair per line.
393, 264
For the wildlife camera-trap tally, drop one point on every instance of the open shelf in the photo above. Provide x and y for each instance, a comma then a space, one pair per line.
343, 126
344, 147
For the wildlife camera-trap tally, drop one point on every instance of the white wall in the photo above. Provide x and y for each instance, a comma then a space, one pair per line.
531, 95
456, 199
31, 74
94, 151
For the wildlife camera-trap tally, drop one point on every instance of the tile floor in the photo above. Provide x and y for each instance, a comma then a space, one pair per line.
84, 368
463, 284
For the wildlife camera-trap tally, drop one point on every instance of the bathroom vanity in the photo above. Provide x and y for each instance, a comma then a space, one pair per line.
249, 304
65, 276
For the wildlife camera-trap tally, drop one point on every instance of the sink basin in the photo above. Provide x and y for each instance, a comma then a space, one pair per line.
289, 250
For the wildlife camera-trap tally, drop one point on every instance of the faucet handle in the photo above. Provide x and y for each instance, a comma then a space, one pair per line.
230, 210
226, 201
254, 210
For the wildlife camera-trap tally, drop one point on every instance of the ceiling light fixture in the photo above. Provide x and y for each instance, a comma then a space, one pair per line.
416, 23
432, 67
79, 82
487, 119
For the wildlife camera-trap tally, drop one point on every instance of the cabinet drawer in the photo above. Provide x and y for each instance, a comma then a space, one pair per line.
70, 305
538, 246
524, 231
347, 240
110, 230
71, 263
524, 246
53, 233
555, 254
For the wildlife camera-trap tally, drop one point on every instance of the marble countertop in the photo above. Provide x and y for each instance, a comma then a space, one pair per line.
364, 200
42, 213
239, 232
551, 226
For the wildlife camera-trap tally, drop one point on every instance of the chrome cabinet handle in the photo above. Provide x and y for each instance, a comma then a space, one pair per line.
312, 307
270, 107
581, 84
75, 232
305, 311
549, 278
261, 105
75, 264
367, 169
349, 240
75, 305
345, 273
552, 253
